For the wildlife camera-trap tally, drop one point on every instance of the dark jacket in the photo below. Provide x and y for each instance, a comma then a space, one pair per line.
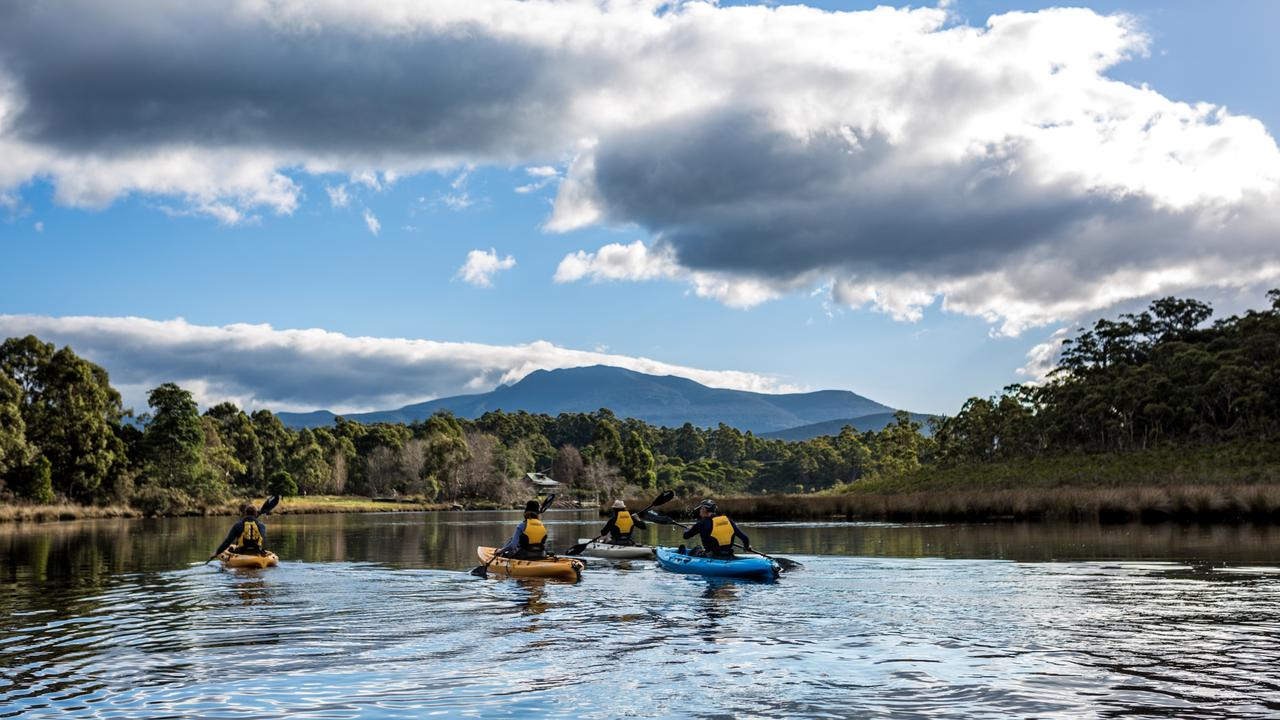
610, 530
238, 528
702, 529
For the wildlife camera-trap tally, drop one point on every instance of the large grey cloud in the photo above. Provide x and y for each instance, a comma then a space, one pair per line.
887, 155
304, 369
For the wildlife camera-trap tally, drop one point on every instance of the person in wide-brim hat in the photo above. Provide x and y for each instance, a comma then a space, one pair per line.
617, 531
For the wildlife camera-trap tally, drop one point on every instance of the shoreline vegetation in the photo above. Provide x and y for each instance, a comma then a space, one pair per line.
1226, 484
1165, 414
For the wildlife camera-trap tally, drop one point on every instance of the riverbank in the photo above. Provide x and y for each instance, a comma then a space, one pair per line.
1238, 482
314, 504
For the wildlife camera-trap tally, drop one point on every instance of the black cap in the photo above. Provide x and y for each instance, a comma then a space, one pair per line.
709, 504
532, 506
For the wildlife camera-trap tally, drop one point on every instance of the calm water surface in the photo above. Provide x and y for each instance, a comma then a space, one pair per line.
375, 616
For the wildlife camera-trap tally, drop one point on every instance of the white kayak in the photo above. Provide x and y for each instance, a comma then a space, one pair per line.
616, 552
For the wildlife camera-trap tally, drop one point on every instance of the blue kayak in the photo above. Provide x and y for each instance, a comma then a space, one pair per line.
751, 568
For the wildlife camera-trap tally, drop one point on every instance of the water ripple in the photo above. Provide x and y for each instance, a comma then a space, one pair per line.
848, 636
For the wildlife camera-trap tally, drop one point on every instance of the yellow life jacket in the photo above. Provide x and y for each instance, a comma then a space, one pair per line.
623, 522
250, 536
534, 535
722, 531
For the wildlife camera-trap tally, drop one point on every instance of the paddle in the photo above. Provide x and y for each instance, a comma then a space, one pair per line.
267, 506
785, 564
483, 570
659, 501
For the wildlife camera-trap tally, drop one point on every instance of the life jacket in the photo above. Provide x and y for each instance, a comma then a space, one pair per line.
622, 526
250, 536
721, 535
534, 537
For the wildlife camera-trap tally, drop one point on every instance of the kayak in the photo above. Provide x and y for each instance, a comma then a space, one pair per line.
235, 560
616, 552
752, 568
552, 567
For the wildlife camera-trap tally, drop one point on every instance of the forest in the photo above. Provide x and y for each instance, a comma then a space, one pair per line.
1168, 377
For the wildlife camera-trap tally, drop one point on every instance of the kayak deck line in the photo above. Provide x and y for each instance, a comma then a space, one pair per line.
552, 567
237, 560
615, 552
749, 568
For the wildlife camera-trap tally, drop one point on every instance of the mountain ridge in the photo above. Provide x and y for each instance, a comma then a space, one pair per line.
667, 400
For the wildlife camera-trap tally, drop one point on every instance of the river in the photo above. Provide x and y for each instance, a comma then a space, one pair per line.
374, 615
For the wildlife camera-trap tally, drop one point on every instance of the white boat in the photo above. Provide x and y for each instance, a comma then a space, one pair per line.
616, 552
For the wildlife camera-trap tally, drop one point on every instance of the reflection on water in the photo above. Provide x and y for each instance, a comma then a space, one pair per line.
374, 615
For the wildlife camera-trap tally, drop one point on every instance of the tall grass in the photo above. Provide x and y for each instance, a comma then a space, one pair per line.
1193, 503
63, 511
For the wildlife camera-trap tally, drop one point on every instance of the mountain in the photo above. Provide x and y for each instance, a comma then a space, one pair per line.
659, 400
876, 421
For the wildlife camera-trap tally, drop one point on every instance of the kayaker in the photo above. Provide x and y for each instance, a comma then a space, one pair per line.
530, 539
716, 531
247, 537
618, 530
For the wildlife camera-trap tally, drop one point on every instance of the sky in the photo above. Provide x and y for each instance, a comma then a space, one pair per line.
336, 205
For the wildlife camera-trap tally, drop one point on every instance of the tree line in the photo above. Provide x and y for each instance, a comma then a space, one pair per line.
1164, 376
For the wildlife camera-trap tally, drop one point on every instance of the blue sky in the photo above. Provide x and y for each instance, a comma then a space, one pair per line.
160, 254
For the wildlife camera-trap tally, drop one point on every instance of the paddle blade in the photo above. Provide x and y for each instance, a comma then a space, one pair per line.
480, 571
547, 503
576, 549
666, 497
787, 564
268, 505
659, 518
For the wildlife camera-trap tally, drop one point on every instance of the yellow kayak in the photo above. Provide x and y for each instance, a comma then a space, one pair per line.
552, 567
235, 560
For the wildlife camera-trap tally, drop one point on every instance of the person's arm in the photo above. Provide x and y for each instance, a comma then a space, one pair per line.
694, 529
514, 542
262, 530
231, 537
609, 526
746, 541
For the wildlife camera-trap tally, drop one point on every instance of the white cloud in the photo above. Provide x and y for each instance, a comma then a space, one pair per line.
39, 226
1043, 357
457, 201
481, 266
637, 261
260, 366
543, 176
371, 221
338, 196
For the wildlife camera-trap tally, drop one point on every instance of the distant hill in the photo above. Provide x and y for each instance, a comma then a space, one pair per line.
660, 400
875, 422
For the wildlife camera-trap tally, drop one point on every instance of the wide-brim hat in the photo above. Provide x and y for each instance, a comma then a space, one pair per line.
619, 505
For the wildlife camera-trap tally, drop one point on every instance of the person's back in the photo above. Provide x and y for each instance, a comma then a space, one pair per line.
618, 530
716, 532
248, 536
530, 539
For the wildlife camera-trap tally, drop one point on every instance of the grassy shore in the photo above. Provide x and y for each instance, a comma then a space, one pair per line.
313, 504
1223, 483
